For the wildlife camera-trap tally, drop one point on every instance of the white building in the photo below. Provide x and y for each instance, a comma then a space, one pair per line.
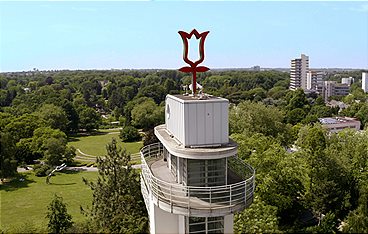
365, 81
192, 180
336, 124
349, 81
298, 72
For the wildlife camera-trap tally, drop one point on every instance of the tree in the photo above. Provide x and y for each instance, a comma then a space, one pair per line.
298, 100
327, 225
147, 114
50, 144
250, 118
117, 204
89, 119
54, 116
258, 218
72, 115
129, 134
54, 151
23, 126
8, 164
59, 219
329, 181
295, 116
149, 138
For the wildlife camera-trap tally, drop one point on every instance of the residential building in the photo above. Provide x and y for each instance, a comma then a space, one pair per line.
365, 81
192, 180
298, 72
315, 81
336, 124
332, 88
349, 81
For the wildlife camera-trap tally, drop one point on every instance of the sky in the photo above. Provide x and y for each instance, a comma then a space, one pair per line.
55, 35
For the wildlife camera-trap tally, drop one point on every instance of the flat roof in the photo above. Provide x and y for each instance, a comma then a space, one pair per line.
198, 98
336, 120
178, 149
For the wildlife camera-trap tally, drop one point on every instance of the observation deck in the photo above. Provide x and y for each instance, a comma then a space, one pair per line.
160, 186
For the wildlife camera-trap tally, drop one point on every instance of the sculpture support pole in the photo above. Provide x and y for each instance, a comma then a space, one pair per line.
194, 82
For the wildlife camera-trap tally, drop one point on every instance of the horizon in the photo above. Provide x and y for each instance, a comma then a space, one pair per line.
143, 35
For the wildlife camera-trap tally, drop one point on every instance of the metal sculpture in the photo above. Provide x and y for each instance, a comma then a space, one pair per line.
58, 168
193, 66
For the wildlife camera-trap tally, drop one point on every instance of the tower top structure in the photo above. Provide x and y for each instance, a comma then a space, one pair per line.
193, 66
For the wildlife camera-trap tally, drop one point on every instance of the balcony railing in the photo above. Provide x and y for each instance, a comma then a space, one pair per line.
196, 201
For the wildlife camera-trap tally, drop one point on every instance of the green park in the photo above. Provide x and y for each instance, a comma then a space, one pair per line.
25, 199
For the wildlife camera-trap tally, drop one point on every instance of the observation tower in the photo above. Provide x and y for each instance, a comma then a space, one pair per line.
192, 180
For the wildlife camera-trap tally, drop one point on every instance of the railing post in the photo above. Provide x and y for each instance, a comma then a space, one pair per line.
210, 197
188, 200
230, 194
245, 192
171, 206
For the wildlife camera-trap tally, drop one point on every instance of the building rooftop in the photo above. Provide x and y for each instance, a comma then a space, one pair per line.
204, 152
199, 97
336, 120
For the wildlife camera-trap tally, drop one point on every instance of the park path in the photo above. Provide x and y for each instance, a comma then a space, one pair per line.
84, 168
84, 154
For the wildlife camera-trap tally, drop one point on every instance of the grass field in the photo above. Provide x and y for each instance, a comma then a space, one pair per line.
95, 144
26, 202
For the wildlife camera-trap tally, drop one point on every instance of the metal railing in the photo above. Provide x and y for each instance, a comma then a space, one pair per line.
190, 200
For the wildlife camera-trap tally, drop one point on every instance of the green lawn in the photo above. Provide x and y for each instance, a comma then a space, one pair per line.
96, 144
26, 202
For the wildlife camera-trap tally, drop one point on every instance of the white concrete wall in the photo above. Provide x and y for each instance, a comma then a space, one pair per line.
229, 224
174, 117
162, 222
199, 122
206, 123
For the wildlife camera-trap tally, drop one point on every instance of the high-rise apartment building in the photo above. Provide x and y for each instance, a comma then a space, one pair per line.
365, 81
298, 73
192, 180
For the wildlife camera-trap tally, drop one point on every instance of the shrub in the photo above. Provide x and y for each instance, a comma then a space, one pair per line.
41, 170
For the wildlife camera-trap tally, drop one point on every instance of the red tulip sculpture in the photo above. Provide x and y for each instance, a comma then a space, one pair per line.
193, 66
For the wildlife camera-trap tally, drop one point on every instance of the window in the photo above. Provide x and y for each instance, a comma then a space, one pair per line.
205, 173
206, 225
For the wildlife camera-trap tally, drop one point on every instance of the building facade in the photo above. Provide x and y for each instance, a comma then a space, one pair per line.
192, 180
298, 72
315, 81
332, 88
365, 81
348, 81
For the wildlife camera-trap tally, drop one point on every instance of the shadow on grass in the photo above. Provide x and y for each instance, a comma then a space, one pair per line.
51, 183
74, 170
75, 137
16, 183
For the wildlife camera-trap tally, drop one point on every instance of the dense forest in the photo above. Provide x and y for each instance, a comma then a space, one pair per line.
322, 186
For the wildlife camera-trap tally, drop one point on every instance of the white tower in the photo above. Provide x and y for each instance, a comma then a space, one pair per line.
192, 180
298, 72
365, 81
